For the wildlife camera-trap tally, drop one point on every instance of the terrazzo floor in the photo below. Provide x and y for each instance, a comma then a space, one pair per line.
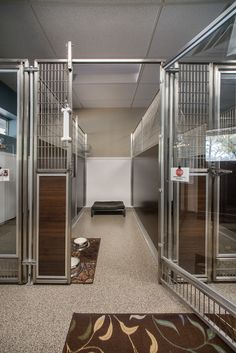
35, 319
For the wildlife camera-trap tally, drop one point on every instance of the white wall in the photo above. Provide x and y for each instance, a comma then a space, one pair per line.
108, 179
8, 188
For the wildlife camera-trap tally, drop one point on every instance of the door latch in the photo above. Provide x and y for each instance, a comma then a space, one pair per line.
219, 172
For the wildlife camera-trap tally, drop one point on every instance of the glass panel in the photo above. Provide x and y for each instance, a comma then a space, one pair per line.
227, 182
188, 209
8, 169
192, 223
220, 45
3, 126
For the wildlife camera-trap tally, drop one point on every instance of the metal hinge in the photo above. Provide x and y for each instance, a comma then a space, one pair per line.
31, 69
29, 262
172, 70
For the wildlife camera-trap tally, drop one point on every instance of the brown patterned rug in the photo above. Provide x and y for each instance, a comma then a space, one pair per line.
141, 333
85, 271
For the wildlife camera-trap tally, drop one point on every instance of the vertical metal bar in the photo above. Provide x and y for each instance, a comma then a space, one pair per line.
31, 175
170, 164
69, 160
24, 183
161, 178
37, 119
21, 106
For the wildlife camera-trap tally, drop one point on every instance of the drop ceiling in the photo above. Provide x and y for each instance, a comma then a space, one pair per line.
105, 29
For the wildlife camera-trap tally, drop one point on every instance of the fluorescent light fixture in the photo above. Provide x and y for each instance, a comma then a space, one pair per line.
106, 73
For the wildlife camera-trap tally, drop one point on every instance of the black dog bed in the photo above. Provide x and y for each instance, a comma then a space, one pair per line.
108, 207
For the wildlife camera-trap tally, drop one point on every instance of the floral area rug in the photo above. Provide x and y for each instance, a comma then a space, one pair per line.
141, 333
85, 271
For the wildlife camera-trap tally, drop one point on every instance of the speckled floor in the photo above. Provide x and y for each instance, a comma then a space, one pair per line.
35, 319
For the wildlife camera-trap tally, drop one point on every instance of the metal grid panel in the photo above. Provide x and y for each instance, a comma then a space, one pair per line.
8, 269
192, 116
52, 94
210, 306
151, 124
228, 119
147, 132
226, 268
138, 139
78, 139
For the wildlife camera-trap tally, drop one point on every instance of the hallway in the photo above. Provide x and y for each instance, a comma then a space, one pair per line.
125, 282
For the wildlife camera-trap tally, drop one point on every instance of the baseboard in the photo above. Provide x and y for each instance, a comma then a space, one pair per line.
76, 219
146, 237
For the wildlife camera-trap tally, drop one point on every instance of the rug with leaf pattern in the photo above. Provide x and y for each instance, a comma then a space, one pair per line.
141, 333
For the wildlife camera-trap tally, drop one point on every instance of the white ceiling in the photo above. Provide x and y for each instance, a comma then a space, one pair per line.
105, 29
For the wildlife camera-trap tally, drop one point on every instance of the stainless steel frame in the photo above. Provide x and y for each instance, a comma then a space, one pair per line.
11, 264
106, 61
161, 176
217, 257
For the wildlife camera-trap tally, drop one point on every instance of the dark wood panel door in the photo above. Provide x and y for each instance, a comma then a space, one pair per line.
52, 226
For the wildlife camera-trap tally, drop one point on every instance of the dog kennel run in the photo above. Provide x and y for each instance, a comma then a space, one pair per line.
197, 233
189, 128
50, 168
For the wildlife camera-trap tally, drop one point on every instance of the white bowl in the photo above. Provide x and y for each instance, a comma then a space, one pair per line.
74, 262
81, 241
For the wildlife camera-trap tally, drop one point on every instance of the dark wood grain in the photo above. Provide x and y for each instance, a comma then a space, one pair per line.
52, 225
192, 225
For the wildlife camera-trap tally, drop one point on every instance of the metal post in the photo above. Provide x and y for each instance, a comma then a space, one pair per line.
29, 167
69, 165
161, 176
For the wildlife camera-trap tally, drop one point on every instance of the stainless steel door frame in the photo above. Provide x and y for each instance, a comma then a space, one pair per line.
17, 66
217, 257
173, 113
58, 74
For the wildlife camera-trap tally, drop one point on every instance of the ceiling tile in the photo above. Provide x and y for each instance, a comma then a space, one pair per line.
150, 74
104, 91
178, 24
106, 103
21, 35
98, 31
141, 103
146, 91
106, 73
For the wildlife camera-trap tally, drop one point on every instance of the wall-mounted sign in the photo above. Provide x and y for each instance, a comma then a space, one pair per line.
180, 174
4, 174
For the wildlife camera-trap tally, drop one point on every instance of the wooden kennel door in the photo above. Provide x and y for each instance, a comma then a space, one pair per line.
51, 227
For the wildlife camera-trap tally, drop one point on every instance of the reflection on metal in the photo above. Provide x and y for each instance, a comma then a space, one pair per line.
214, 309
